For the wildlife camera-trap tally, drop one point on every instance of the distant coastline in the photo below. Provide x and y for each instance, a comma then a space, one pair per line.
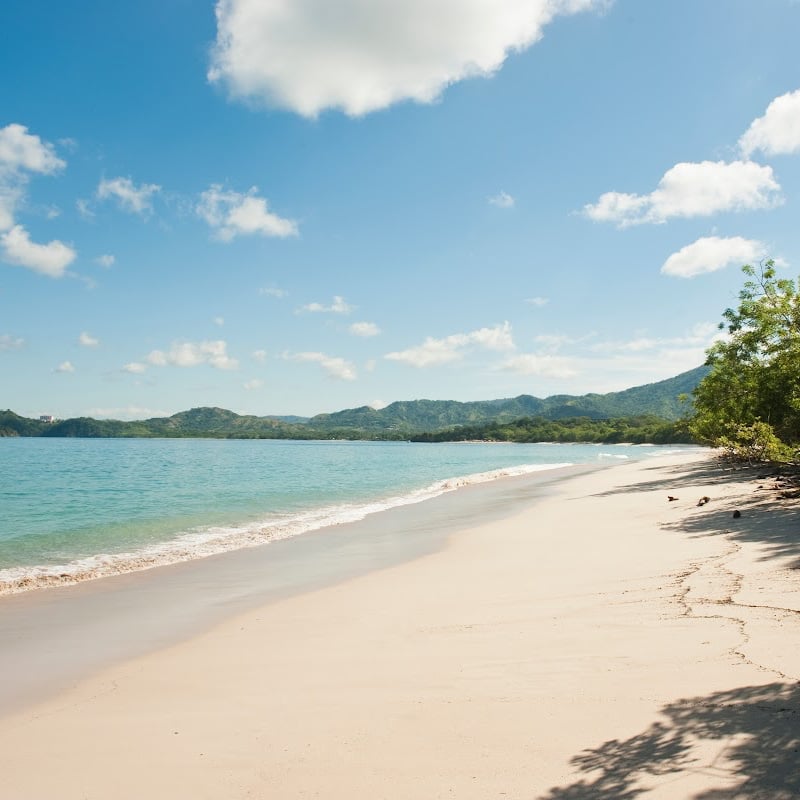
642, 414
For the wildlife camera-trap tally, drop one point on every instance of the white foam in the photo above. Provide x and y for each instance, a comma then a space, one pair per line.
201, 543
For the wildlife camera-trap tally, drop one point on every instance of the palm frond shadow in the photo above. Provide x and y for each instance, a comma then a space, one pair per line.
758, 728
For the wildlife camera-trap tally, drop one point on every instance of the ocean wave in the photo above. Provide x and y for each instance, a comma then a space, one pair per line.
205, 542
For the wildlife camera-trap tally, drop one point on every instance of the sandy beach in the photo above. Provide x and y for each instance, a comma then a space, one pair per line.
600, 642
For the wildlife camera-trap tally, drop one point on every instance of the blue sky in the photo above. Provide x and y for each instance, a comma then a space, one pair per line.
292, 208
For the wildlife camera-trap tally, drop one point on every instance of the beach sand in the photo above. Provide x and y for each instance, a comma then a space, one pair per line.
600, 643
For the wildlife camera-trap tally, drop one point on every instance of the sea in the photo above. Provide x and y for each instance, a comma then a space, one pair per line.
78, 509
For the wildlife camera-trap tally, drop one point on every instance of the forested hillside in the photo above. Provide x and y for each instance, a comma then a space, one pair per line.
400, 420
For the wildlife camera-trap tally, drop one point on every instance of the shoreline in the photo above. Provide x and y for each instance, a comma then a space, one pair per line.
593, 641
195, 545
72, 630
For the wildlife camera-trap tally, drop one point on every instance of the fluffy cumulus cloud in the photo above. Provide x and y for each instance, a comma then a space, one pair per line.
22, 151
106, 260
338, 306
87, 340
502, 200
537, 302
135, 368
335, 367
778, 131
232, 214
65, 367
50, 259
365, 329
193, 354
356, 56
21, 154
692, 190
712, 253
433, 352
129, 196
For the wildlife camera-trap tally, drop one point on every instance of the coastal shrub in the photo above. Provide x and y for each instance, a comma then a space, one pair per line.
755, 442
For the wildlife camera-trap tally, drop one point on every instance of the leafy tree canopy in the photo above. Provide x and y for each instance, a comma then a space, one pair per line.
750, 400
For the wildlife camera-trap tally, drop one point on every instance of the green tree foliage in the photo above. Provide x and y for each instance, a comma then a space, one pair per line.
749, 402
645, 429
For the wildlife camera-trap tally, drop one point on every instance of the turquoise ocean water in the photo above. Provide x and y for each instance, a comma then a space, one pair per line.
74, 509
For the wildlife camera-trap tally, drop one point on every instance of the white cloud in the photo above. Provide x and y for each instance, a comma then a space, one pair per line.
21, 153
192, 354
105, 260
50, 259
335, 367
272, 292
433, 352
537, 301
542, 364
20, 150
377, 405
135, 368
233, 214
365, 329
250, 386
8, 342
502, 200
65, 366
313, 55
87, 340
712, 253
259, 355
84, 209
219, 321
612, 365
338, 306
778, 131
136, 199
696, 339
692, 190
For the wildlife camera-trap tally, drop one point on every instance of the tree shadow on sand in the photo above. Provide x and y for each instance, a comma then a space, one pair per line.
711, 472
765, 517
755, 733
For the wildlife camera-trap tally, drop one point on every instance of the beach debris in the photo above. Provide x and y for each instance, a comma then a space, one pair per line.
671, 498
703, 500
737, 514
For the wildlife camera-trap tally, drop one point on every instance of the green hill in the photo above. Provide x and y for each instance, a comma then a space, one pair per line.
659, 399
402, 419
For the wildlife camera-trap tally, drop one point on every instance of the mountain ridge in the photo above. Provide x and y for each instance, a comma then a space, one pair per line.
399, 419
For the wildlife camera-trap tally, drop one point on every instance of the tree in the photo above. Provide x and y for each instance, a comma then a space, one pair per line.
750, 400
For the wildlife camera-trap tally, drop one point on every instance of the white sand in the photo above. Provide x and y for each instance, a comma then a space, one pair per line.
605, 643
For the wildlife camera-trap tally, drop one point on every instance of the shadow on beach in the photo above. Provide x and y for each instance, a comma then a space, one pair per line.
757, 729
765, 517
713, 471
